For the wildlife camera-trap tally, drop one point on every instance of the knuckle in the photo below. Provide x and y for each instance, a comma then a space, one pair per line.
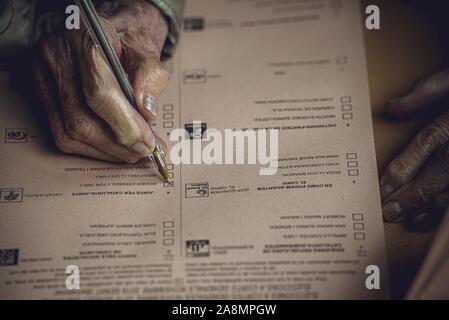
163, 74
112, 35
64, 143
431, 137
50, 48
441, 124
46, 48
423, 193
160, 75
96, 97
399, 171
443, 161
91, 94
413, 196
80, 127
56, 52
128, 133
436, 82
127, 139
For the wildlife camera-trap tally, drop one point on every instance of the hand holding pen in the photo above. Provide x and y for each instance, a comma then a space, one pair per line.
89, 112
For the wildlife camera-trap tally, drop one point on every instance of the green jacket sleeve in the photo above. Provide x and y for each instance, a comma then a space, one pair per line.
16, 28
26, 25
173, 11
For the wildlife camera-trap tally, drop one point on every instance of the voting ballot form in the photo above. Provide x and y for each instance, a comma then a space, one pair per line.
311, 231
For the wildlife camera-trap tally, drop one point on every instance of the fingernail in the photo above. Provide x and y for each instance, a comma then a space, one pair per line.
420, 218
393, 102
150, 104
386, 190
392, 212
141, 148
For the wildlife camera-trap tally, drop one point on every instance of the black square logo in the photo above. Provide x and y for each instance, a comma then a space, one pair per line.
9, 257
196, 130
16, 135
197, 190
197, 248
195, 76
11, 195
194, 24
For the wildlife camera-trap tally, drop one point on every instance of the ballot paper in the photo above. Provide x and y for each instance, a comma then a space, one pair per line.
73, 228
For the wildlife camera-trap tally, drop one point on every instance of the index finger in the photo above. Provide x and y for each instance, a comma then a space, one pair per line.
105, 97
407, 164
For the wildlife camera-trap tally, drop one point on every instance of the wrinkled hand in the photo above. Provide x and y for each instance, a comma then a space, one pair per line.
88, 113
414, 185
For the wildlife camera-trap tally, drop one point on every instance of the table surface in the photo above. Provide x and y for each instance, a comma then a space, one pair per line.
406, 48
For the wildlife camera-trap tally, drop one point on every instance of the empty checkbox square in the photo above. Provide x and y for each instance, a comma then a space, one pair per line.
169, 233
353, 172
357, 216
346, 99
353, 164
346, 107
348, 116
169, 242
351, 156
171, 175
359, 226
168, 124
168, 107
168, 116
170, 166
359, 236
168, 224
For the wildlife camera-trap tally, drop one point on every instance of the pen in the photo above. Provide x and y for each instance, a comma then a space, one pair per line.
92, 21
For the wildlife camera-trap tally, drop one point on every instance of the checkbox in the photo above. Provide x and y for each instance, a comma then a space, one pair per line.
169, 233
169, 184
348, 116
346, 99
357, 216
353, 164
168, 224
353, 172
346, 107
359, 226
351, 156
168, 124
359, 236
168, 107
171, 175
170, 167
169, 242
168, 116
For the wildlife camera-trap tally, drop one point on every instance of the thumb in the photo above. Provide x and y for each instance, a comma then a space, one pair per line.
149, 78
425, 93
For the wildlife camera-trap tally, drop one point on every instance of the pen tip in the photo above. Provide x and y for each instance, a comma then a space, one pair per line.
158, 157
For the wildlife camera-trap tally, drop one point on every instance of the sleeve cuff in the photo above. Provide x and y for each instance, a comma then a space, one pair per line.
172, 9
